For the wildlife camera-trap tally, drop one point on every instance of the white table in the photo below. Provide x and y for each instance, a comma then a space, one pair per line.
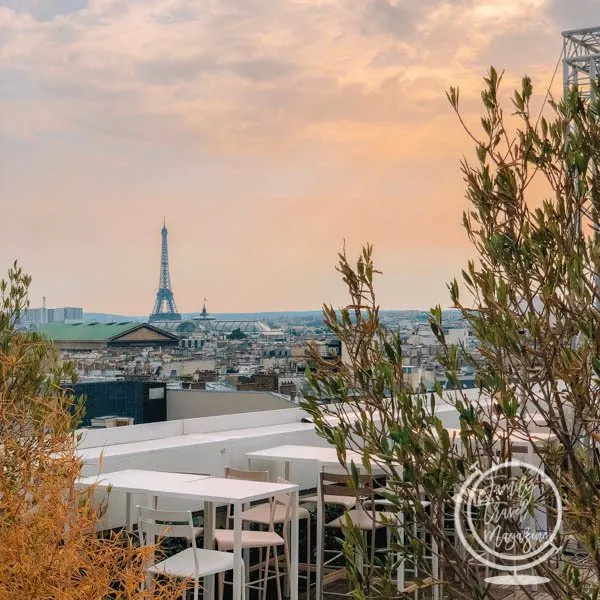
136, 481
318, 456
211, 491
301, 454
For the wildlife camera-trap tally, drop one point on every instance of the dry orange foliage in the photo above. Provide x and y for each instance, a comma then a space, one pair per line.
49, 548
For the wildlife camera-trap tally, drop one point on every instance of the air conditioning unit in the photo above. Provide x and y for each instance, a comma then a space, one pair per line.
111, 421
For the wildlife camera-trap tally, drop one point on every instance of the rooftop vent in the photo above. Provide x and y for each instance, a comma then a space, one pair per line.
111, 421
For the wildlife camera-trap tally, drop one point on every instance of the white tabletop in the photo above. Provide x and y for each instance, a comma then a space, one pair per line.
219, 489
138, 481
181, 485
517, 436
300, 454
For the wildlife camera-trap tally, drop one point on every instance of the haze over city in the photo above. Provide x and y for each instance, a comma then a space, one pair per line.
265, 132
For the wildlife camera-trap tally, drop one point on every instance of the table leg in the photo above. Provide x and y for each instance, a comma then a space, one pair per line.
209, 536
152, 502
128, 511
246, 558
435, 567
294, 549
319, 583
400, 572
246, 553
415, 560
237, 551
286, 581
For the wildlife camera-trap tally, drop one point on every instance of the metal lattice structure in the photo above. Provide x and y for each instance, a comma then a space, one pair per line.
164, 307
581, 59
245, 326
581, 68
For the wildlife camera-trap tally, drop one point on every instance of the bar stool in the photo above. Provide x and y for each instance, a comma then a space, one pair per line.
262, 514
361, 517
267, 540
416, 533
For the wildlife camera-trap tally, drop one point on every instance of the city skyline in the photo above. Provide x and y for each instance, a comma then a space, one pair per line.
264, 131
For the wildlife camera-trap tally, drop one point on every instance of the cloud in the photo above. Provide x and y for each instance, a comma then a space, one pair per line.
170, 71
574, 14
261, 69
273, 77
235, 66
167, 71
399, 18
258, 75
45, 10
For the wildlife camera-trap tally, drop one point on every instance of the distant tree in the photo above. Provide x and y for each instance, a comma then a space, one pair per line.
532, 302
237, 334
48, 544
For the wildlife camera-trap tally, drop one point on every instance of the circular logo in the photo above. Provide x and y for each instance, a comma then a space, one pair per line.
501, 517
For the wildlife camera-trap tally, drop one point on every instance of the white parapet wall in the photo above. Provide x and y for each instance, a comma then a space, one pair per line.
110, 436
189, 404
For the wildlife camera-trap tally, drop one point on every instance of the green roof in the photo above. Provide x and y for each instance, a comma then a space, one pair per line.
87, 332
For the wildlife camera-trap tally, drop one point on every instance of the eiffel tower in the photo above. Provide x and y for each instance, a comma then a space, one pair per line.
164, 307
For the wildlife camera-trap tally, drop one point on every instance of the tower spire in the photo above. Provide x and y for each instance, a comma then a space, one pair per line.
164, 307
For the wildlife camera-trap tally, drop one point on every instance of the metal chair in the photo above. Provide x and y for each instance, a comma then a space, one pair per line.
192, 563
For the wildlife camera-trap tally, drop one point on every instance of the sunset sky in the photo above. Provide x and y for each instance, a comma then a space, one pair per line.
265, 131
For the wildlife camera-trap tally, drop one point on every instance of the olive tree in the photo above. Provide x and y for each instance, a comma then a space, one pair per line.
530, 297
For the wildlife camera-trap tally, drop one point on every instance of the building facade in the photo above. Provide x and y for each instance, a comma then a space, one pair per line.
100, 336
142, 401
43, 315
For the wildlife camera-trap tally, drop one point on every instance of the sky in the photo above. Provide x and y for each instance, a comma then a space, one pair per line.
267, 133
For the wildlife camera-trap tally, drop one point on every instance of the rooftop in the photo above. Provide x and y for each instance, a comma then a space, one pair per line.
86, 331
92, 331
